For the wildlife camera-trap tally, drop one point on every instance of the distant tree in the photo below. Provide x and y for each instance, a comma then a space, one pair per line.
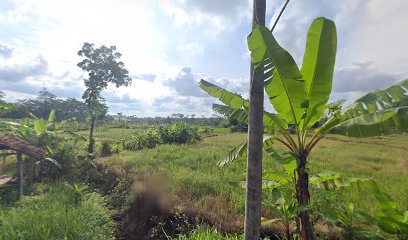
120, 115
44, 103
71, 108
103, 67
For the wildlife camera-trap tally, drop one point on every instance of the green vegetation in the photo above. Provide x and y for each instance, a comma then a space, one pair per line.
61, 146
192, 168
178, 133
300, 99
207, 234
145, 177
103, 66
57, 211
42, 105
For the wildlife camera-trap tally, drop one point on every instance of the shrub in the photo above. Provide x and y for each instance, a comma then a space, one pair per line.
106, 149
178, 133
57, 211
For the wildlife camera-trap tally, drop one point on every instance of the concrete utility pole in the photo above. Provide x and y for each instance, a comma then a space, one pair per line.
255, 140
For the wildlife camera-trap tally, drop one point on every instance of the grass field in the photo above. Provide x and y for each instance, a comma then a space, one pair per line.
56, 211
196, 185
213, 192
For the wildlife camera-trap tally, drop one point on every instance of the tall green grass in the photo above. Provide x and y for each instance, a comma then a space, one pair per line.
57, 211
207, 234
193, 167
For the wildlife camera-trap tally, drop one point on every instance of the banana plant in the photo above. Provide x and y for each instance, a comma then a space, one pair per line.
389, 218
279, 185
61, 145
300, 96
347, 218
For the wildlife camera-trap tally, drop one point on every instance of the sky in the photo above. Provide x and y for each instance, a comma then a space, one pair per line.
169, 45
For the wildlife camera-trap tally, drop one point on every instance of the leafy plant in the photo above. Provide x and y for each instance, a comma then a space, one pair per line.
106, 149
300, 97
284, 203
178, 133
347, 218
61, 145
389, 219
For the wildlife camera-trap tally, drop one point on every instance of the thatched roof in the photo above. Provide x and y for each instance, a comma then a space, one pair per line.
13, 142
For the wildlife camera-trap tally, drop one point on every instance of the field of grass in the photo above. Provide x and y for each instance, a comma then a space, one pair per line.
116, 134
214, 193
57, 211
195, 185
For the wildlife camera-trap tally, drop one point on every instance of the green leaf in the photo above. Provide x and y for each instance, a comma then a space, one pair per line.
318, 66
230, 99
271, 121
390, 97
288, 163
241, 150
40, 126
280, 178
323, 177
241, 115
55, 162
51, 116
284, 83
386, 121
235, 153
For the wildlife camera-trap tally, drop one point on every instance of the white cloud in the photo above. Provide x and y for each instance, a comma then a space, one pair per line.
382, 36
191, 50
212, 16
40, 40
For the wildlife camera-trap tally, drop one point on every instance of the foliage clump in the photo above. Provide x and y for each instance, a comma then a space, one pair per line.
178, 133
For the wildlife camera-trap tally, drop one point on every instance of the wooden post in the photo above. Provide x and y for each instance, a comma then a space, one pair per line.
20, 174
30, 170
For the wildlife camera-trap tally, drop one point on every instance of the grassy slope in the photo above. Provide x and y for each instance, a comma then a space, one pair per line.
193, 171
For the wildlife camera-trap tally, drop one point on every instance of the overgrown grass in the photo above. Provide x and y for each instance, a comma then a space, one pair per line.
193, 171
110, 134
207, 234
57, 211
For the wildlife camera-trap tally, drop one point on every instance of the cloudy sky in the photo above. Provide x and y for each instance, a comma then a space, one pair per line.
168, 45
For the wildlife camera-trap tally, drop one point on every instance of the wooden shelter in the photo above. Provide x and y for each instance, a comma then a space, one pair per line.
21, 146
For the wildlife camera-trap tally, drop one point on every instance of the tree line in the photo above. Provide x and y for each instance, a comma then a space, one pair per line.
43, 104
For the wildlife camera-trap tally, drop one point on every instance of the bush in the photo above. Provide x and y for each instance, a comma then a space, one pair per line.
106, 149
178, 133
57, 211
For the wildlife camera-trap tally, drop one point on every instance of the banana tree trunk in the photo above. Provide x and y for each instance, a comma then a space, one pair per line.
303, 196
91, 130
253, 205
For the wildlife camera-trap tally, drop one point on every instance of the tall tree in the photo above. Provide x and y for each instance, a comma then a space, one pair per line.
103, 67
253, 203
